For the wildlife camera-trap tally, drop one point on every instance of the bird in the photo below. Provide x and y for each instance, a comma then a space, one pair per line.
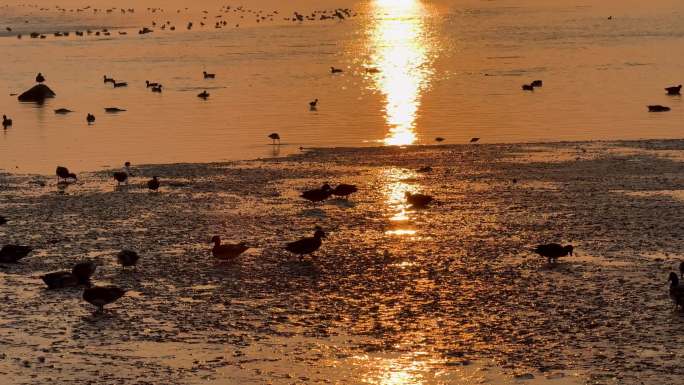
112, 110
59, 280
673, 90
537, 83
418, 200
658, 108
439, 139
527, 87
157, 88
153, 184
102, 295
121, 177
83, 271
120, 84
474, 140
149, 84
553, 251
127, 258
62, 111
40, 78
13, 253
676, 290
63, 173
307, 245
204, 94
275, 137
208, 75
334, 70
228, 251
344, 190
6, 122
313, 103
90, 118
424, 169
108, 80
317, 195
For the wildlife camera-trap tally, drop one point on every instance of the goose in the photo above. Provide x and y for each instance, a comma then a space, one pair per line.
673, 90
313, 103
474, 140
40, 78
527, 87
275, 137
148, 84
121, 177
120, 84
553, 251
13, 253
344, 190
63, 173
658, 108
335, 70
6, 122
62, 111
90, 118
153, 184
113, 110
102, 295
418, 200
228, 251
108, 80
59, 280
208, 75
157, 88
307, 245
537, 83
127, 258
204, 94
676, 290
317, 195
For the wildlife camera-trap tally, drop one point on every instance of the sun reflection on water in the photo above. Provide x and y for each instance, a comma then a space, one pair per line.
401, 54
396, 186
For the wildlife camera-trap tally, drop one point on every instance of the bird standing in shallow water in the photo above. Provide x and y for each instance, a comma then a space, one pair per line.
553, 251
102, 295
418, 200
676, 290
6, 122
439, 139
13, 253
90, 118
674, 90
307, 245
208, 75
127, 258
275, 137
528, 87
63, 173
40, 78
313, 104
344, 190
204, 95
153, 184
228, 251
317, 195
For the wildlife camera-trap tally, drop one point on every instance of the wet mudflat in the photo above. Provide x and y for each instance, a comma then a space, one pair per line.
447, 294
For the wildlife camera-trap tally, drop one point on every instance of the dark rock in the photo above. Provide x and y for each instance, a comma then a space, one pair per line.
37, 93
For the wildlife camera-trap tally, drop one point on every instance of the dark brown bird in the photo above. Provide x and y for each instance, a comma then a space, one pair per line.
228, 251
275, 137
418, 200
204, 94
63, 173
120, 84
676, 290
120, 177
674, 90
102, 295
153, 184
537, 83
149, 84
658, 108
318, 195
344, 190
527, 87
439, 139
40, 78
208, 75
108, 80
59, 280
6, 122
313, 104
13, 253
83, 271
90, 118
474, 140
127, 258
335, 70
553, 251
307, 245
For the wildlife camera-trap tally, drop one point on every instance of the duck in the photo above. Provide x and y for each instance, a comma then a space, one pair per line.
344, 190
120, 84
275, 137
62, 111
527, 87
102, 295
90, 118
113, 110
537, 83
313, 104
121, 177
13, 253
153, 184
674, 90
59, 280
307, 245
474, 140
150, 84
418, 200
127, 258
439, 139
208, 75
334, 70
553, 251
317, 195
83, 271
204, 94
228, 251
63, 173
157, 88
658, 108
6, 122
108, 80
40, 78
676, 290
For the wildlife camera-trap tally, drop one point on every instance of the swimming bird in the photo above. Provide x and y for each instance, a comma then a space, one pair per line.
204, 94
127, 258
102, 295
40, 78
537, 83
275, 137
334, 70
148, 84
90, 118
317, 195
108, 80
553, 251
673, 90
157, 88
418, 200
63, 173
59, 280
208, 75
62, 111
474, 140
112, 110
6, 122
527, 87
153, 184
676, 290
307, 245
344, 190
439, 139
228, 251
83, 271
13, 253
120, 84
313, 104
658, 108
120, 177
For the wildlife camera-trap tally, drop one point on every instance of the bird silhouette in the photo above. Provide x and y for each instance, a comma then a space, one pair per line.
153, 184
344, 190
63, 173
317, 195
418, 200
227, 251
553, 251
676, 290
204, 94
674, 90
275, 137
208, 75
658, 108
307, 245
127, 258
100, 296
6, 122
90, 118
13, 253
40, 78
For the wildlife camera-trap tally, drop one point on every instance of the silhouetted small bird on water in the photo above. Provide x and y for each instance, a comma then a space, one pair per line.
204, 94
120, 177
335, 70
676, 290
553, 251
439, 139
318, 195
127, 258
90, 118
474, 140
6, 122
112, 110
102, 295
208, 75
418, 200
79, 275
313, 104
62, 111
306, 246
120, 84
157, 88
537, 83
275, 137
153, 184
425, 169
13, 253
83, 271
63, 173
228, 251
344, 190
674, 90
108, 80
148, 84
528, 87
40, 78
658, 108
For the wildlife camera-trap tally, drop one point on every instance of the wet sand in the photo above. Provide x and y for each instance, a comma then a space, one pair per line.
449, 294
